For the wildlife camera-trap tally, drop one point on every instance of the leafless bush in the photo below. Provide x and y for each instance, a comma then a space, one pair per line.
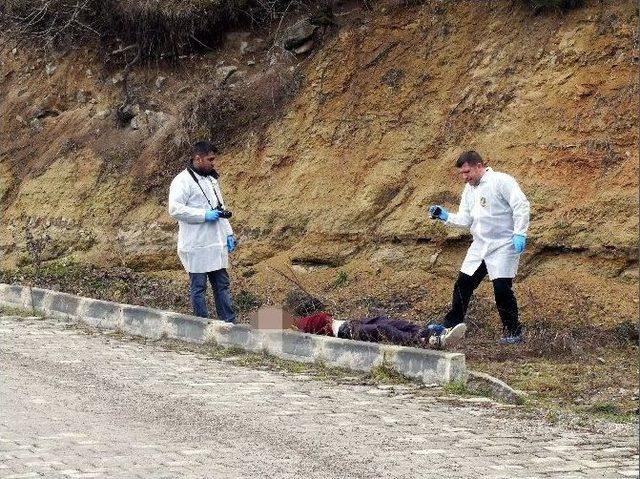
302, 303
52, 21
150, 29
157, 28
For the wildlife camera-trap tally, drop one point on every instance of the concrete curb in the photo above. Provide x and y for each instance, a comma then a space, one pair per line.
483, 383
425, 365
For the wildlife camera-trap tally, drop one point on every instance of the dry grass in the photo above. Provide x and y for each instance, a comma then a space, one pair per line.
225, 115
603, 376
563, 365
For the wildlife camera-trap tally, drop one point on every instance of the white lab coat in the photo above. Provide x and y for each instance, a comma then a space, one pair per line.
495, 210
202, 247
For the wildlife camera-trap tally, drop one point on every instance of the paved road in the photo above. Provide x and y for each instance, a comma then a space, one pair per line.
79, 405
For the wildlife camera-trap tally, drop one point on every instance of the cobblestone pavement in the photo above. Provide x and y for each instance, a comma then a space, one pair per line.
79, 405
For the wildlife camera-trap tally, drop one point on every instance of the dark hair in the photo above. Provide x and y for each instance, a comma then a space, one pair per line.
472, 157
203, 148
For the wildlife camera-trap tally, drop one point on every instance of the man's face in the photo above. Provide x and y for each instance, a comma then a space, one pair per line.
204, 162
471, 173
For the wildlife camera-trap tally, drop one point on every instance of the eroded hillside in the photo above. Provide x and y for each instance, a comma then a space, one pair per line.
335, 178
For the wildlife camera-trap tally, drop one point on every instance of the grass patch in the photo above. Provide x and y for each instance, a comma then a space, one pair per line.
117, 333
117, 284
602, 383
292, 366
611, 412
384, 374
227, 352
554, 413
604, 408
20, 312
250, 360
245, 301
457, 388
341, 280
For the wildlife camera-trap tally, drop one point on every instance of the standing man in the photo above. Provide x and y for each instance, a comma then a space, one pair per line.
497, 211
205, 238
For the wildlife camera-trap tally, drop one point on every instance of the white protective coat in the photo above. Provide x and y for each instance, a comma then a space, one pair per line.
202, 247
495, 210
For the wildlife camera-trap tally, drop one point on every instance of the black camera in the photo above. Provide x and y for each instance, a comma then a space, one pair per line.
434, 212
226, 214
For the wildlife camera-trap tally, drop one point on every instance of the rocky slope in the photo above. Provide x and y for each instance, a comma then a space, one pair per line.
335, 182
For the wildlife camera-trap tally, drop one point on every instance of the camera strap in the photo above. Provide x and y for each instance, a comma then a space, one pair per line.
195, 178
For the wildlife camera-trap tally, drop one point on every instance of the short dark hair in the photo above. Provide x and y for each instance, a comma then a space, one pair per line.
472, 157
203, 148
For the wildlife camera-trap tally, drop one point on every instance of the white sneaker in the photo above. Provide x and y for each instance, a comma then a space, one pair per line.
449, 337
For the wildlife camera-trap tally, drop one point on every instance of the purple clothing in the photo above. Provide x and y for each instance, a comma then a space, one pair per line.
382, 329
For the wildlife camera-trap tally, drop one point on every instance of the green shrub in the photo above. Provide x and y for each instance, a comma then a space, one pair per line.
246, 301
341, 279
604, 408
626, 331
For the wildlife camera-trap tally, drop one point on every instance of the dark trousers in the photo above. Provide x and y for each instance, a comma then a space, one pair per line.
221, 294
505, 300
383, 329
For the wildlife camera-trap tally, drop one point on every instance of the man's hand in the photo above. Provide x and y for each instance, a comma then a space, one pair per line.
519, 242
231, 243
211, 215
438, 212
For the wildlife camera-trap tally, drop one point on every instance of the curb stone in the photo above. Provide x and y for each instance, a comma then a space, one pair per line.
483, 383
425, 365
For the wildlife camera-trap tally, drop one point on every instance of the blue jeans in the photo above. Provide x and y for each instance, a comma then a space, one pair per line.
221, 294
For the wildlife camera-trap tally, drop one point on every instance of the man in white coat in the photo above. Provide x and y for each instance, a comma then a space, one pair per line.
205, 237
497, 211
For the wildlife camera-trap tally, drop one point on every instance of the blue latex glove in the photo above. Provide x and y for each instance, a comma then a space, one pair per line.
231, 243
438, 212
436, 329
212, 215
519, 242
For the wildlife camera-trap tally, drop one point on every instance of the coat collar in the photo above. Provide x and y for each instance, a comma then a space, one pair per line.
214, 174
487, 173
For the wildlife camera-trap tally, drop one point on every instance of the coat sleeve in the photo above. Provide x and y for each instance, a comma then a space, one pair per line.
225, 223
226, 226
461, 219
179, 193
519, 204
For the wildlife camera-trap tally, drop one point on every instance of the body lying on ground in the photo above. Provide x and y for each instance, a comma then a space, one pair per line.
381, 329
